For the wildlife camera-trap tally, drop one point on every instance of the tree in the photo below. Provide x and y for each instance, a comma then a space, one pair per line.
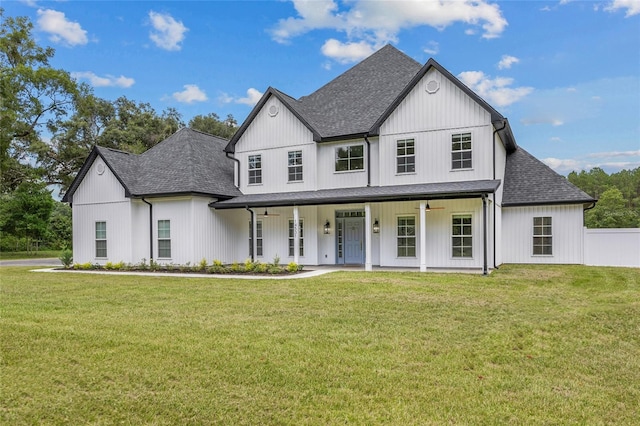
34, 96
212, 125
611, 212
59, 233
26, 212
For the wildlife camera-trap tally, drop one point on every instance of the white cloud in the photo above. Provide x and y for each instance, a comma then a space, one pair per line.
106, 81
615, 154
60, 29
346, 52
495, 91
632, 6
559, 165
506, 61
379, 22
168, 33
433, 48
252, 98
190, 94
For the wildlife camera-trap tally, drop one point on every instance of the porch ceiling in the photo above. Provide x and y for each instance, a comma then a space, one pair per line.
370, 194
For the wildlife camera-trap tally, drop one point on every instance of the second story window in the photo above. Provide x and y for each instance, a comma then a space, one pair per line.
461, 151
295, 166
349, 158
406, 156
255, 169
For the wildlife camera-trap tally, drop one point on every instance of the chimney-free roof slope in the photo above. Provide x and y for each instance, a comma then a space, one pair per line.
187, 162
528, 181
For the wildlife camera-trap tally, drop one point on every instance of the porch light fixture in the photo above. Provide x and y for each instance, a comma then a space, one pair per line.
376, 227
327, 227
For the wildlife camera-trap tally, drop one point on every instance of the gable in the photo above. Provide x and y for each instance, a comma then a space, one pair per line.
435, 102
274, 125
99, 185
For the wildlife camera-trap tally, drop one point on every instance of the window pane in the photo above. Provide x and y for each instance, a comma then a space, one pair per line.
164, 229
101, 230
164, 248
101, 248
461, 236
357, 164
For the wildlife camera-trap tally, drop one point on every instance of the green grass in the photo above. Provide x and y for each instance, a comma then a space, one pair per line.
526, 345
40, 254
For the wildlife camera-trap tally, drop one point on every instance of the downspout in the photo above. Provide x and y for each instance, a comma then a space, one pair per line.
504, 124
484, 232
150, 229
251, 233
237, 161
366, 139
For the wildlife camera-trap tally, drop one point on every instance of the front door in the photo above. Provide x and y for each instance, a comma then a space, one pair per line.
354, 240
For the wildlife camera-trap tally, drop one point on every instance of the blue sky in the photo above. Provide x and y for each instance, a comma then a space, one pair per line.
566, 73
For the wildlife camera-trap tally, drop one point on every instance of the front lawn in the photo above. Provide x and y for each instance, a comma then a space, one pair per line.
526, 345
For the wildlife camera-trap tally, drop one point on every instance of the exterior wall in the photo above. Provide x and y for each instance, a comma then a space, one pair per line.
272, 138
517, 234
430, 119
612, 247
328, 178
100, 198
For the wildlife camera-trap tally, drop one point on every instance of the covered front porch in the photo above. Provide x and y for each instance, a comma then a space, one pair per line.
445, 226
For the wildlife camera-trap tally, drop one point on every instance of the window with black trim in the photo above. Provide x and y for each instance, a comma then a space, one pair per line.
542, 236
292, 236
406, 236
295, 166
405, 156
461, 151
101, 239
349, 158
461, 236
164, 238
255, 169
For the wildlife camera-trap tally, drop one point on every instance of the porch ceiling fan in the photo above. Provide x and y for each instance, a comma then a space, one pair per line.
429, 208
267, 214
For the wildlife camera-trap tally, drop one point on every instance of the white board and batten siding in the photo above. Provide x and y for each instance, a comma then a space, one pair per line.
567, 233
101, 198
272, 134
431, 118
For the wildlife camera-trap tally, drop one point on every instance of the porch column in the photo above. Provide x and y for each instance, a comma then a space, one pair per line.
296, 235
423, 236
367, 238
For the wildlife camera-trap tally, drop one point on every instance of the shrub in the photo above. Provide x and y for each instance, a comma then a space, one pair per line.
236, 267
274, 269
217, 267
142, 265
119, 266
202, 266
66, 257
153, 265
260, 267
108, 266
293, 267
249, 266
276, 261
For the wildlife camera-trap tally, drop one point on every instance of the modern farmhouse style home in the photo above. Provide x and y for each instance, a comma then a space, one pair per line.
392, 163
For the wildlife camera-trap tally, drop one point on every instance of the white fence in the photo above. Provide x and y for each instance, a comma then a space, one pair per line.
612, 247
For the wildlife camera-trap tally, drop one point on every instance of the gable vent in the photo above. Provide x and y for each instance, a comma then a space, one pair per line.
432, 86
273, 110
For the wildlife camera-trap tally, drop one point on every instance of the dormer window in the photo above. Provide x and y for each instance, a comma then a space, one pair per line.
349, 158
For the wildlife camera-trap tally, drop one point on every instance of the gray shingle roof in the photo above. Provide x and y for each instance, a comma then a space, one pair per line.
420, 191
528, 181
187, 162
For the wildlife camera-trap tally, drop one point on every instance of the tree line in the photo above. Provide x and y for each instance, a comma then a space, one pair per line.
618, 197
48, 124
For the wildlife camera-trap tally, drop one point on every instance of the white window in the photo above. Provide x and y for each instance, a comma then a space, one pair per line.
292, 236
164, 238
461, 236
101, 239
350, 158
542, 236
461, 151
405, 156
295, 166
258, 238
255, 169
406, 238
